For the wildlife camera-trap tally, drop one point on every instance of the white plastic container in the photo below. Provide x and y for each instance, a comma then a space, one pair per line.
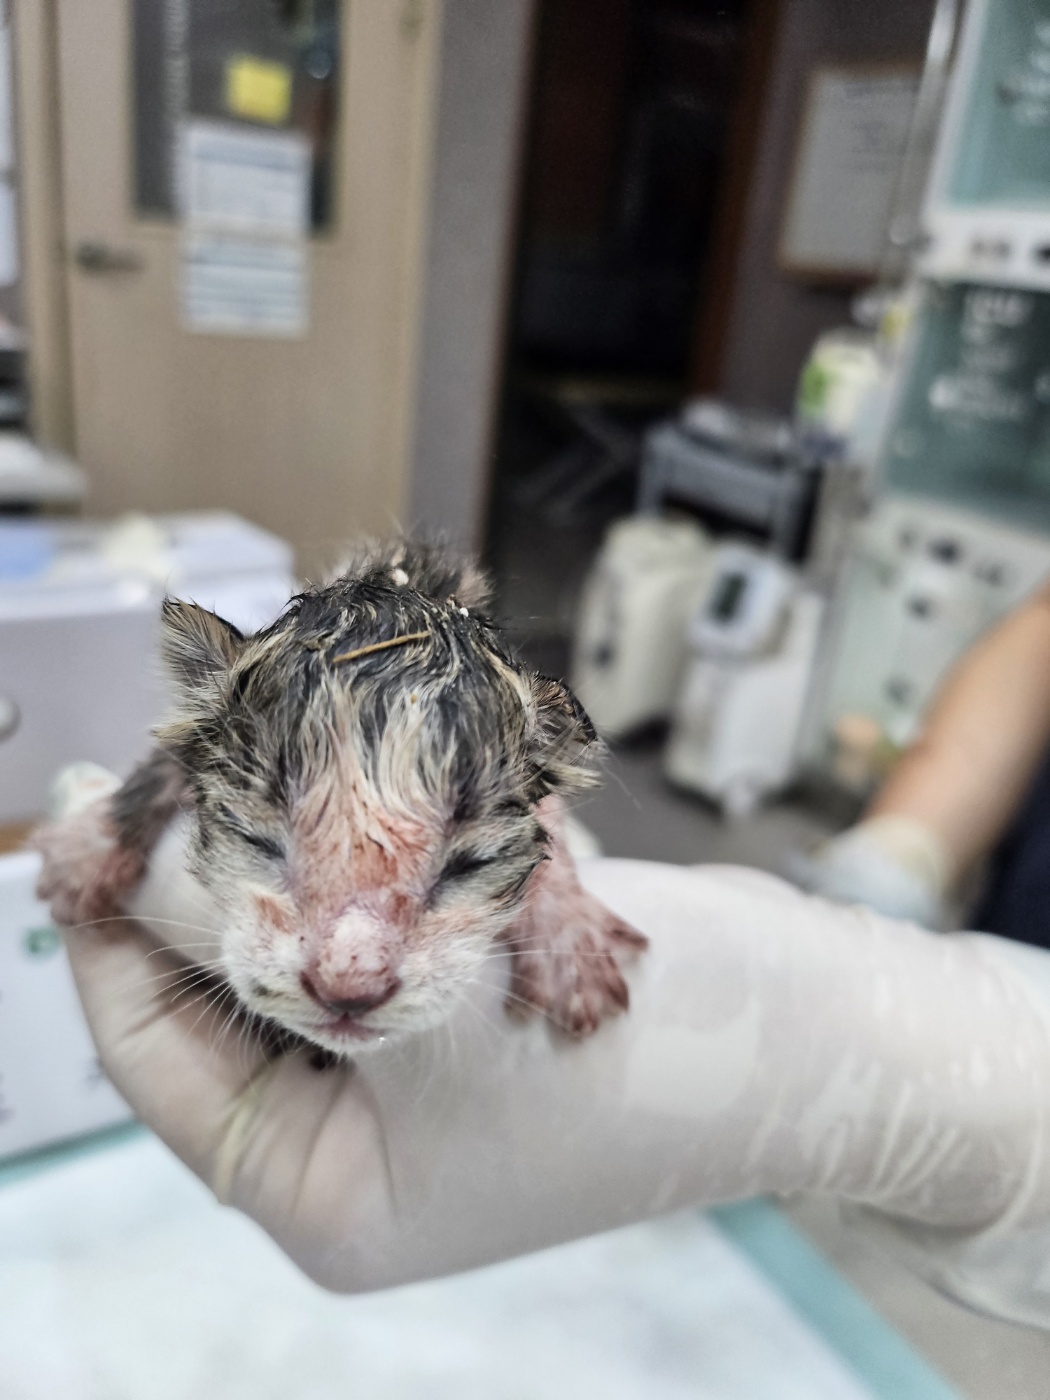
79, 610
51, 1086
29, 476
630, 645
736, 725
79, 679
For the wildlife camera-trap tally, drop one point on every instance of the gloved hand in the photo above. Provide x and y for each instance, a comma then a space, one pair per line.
890, 863
775, 1043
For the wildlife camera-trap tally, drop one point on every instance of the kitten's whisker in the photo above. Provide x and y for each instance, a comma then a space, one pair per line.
171, 980
130, 918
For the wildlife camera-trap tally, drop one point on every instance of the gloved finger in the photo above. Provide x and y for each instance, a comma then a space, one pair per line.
890, 863
169, 1045
774, 1043
252, 1126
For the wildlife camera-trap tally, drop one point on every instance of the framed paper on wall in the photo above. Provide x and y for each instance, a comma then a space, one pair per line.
851, 140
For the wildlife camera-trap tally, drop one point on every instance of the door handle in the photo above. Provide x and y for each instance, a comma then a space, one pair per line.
92, 255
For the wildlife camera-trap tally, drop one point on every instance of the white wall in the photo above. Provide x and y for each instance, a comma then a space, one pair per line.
481, 106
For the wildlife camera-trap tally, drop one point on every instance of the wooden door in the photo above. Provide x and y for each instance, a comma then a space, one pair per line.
309, 436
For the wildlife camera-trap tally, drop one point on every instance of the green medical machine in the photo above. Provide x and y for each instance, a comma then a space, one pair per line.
960, 529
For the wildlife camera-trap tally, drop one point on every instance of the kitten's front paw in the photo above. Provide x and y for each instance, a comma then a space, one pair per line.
568, 966
86, 872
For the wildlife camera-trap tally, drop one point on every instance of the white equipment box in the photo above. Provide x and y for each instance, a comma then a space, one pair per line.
51, 1086
79, 607
77, 682
80, 679
31, 477
924, 582
737, 721
630, 645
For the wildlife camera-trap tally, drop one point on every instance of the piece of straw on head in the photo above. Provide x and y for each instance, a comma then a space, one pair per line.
381, 646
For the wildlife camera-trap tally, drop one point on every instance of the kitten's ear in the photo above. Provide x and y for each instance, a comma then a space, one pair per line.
564, 742
472, 588
197, 646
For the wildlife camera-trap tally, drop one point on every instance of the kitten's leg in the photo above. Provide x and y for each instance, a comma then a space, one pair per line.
94, 858
567, 947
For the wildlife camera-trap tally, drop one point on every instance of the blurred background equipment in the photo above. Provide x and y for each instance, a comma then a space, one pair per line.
79, 611
629, 648
738, 714
923, 582
838, 398
33, 481
51, 1086
988, 197
738, 470
960, 530
970, 421
736, 678
14, 394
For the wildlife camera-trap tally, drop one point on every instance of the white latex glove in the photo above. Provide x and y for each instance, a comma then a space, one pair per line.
775, 1043
893, 864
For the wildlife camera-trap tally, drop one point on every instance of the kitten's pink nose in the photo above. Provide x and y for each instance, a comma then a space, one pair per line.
367, 996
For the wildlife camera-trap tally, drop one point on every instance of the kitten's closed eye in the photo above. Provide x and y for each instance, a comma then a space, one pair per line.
463, 865
470, 875
268, 846
496, 875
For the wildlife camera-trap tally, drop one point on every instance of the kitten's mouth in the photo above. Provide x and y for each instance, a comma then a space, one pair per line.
347, 1028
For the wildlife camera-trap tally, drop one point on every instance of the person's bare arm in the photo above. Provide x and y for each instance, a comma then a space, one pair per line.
982, 741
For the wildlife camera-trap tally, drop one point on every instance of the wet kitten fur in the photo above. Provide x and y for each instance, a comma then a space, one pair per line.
373, 821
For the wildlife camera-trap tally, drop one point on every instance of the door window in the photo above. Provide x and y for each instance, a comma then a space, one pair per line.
270, 64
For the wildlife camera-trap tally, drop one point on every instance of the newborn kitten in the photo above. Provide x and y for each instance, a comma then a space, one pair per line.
372, 788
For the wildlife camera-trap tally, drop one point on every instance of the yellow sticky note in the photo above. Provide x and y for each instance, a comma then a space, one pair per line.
258, 89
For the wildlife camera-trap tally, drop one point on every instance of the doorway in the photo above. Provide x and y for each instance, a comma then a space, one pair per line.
634, 108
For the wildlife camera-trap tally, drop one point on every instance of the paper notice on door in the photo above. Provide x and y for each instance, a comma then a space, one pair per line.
237, 286
244, 196
244, 181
